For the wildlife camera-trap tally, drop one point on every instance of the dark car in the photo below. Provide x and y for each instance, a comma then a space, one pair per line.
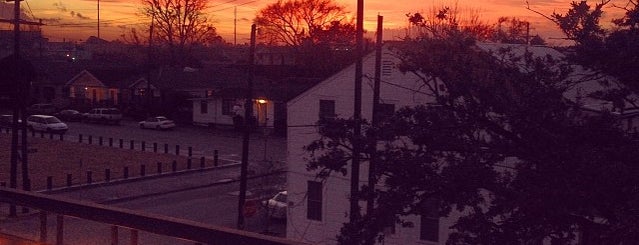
69, 115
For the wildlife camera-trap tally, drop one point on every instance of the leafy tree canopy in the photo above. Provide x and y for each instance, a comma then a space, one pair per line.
501, 145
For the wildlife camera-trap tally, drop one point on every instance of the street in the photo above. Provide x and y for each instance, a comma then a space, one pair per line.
203, 140
208, 197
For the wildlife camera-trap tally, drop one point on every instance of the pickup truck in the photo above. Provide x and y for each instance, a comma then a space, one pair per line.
103, 115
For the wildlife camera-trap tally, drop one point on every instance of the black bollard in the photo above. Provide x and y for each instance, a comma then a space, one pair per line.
215, 158
69, 180
89, 177
174, 166
132, 146
125, 172
107, 175
110, 142
80, 138
143, 145
190, 151
100, 140
121, 143
159, 168
177, 150
202, 162
155, 147
49, 182
142, 170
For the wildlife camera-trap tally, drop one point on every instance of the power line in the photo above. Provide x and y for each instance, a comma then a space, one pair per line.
222, 9
217, 5
30, 11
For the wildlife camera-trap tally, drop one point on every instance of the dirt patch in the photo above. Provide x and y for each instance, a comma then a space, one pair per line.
59, 158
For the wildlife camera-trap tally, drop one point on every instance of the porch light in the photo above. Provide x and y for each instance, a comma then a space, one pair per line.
261, 101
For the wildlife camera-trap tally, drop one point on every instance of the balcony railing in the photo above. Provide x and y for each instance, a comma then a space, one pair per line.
136, 221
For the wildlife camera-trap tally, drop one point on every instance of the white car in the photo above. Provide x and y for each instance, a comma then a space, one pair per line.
276, 206
49, 124
159, 122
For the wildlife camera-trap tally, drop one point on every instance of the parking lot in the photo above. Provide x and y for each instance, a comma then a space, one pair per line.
203, 140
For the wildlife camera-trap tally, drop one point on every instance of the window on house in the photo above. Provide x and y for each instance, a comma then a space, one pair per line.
387, 67
314, 201
385, 111
327, 109
204, 107
227, 106
429, 221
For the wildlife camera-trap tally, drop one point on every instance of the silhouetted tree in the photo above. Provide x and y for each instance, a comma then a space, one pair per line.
512, 30
442, 21
319, 31
501, 145
613, 51
179, 25
294, 22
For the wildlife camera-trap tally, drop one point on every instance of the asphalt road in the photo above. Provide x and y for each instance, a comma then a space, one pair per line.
203, 140
208, 197
202, 202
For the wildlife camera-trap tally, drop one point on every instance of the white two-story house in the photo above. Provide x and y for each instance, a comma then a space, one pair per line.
318, 208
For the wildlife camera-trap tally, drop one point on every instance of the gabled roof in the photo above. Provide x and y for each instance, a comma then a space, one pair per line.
204, 78
582, 83
61, 72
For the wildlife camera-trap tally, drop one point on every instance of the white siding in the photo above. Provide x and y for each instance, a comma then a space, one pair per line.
214, 114
397, 88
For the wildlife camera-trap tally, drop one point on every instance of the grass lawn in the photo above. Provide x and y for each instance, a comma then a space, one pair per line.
58, 158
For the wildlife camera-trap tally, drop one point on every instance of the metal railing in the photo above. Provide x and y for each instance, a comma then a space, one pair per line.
136, 221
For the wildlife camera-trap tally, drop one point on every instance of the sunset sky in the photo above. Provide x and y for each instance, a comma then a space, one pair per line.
77, 19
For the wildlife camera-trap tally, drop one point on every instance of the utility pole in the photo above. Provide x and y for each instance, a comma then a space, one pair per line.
98, 19
13, 182
248, 120
149, 93
357, 115
372, 181
235, 26
21, 98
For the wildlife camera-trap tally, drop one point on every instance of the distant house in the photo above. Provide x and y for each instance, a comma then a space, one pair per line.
101, 87
318, 208
221, 97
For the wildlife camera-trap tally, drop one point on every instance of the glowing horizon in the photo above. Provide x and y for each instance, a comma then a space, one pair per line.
77, 19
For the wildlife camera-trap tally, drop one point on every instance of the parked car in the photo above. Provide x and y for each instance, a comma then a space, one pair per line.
277, 205
69, 115
45, 123
103, 115
158, 122
41, 109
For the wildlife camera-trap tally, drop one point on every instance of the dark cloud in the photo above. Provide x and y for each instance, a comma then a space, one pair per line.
52, 20
79, 15
61, 7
